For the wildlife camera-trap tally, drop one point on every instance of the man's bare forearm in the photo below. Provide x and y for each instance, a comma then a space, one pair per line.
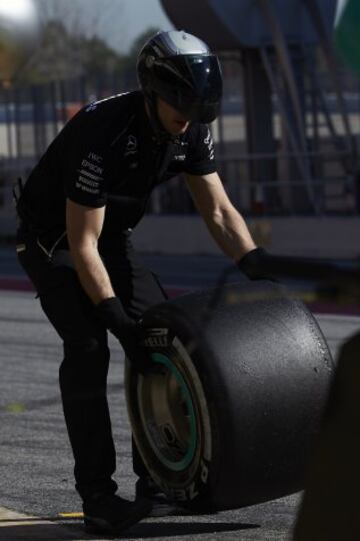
92, 273
229, 230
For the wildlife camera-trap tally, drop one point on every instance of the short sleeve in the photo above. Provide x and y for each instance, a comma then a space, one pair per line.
201, 154
85, 179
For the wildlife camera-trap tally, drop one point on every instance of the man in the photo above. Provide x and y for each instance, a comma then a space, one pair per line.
77, 211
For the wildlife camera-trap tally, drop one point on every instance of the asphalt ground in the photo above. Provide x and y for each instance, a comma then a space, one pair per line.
36, 488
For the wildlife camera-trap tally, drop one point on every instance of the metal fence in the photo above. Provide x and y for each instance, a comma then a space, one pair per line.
30, 117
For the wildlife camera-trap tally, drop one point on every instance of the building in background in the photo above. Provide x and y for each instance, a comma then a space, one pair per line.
289, 133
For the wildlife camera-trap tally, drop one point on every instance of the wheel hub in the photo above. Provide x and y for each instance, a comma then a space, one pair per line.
168, 413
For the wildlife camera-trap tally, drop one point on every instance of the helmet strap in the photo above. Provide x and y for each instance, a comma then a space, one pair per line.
161, 135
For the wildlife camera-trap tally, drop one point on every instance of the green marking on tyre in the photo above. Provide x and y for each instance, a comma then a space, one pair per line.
184, 463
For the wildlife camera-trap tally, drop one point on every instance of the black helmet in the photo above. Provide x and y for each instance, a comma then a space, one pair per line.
181, 69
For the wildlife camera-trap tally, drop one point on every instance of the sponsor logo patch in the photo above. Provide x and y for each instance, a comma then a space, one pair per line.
210, 144
90, 174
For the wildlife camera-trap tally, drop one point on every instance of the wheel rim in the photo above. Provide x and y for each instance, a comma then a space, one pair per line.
168, 414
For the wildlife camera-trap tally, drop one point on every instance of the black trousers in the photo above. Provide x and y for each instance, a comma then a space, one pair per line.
83, 371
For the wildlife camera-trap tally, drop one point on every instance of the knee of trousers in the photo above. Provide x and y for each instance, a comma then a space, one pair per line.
86, 361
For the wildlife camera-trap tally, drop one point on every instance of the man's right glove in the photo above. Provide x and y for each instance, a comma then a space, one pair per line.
254, 265
112, 314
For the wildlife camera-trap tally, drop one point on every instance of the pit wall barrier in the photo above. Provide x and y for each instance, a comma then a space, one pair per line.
337, 237
326, 237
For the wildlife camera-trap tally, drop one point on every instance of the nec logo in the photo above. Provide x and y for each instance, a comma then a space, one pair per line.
95, 157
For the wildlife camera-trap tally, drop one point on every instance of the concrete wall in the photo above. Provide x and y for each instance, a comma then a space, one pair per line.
313, 237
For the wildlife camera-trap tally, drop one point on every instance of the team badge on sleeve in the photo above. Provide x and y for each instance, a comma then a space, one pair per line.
90, 174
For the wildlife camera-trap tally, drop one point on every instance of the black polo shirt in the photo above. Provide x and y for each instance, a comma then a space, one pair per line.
107, 155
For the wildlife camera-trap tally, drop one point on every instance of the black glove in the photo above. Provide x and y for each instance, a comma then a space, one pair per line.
254, 265
112, 314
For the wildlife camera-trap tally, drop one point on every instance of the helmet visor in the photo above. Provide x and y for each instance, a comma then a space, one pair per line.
192, 84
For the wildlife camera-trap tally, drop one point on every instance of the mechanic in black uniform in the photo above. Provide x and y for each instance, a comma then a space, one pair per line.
77, 210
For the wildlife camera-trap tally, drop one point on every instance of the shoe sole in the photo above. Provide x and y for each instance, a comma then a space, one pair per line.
95, 525
166, 510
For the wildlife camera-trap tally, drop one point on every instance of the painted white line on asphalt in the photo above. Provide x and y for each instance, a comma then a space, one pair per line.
18, 526
12, 518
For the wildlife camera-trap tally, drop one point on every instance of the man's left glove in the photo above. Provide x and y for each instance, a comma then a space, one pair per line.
112, 314
255, 265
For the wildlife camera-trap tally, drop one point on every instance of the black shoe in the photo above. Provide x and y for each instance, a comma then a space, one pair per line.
112, 514
162, 505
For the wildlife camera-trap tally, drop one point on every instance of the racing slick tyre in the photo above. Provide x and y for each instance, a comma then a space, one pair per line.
226, 411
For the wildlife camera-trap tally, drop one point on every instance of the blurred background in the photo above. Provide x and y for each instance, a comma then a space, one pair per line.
288, 136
